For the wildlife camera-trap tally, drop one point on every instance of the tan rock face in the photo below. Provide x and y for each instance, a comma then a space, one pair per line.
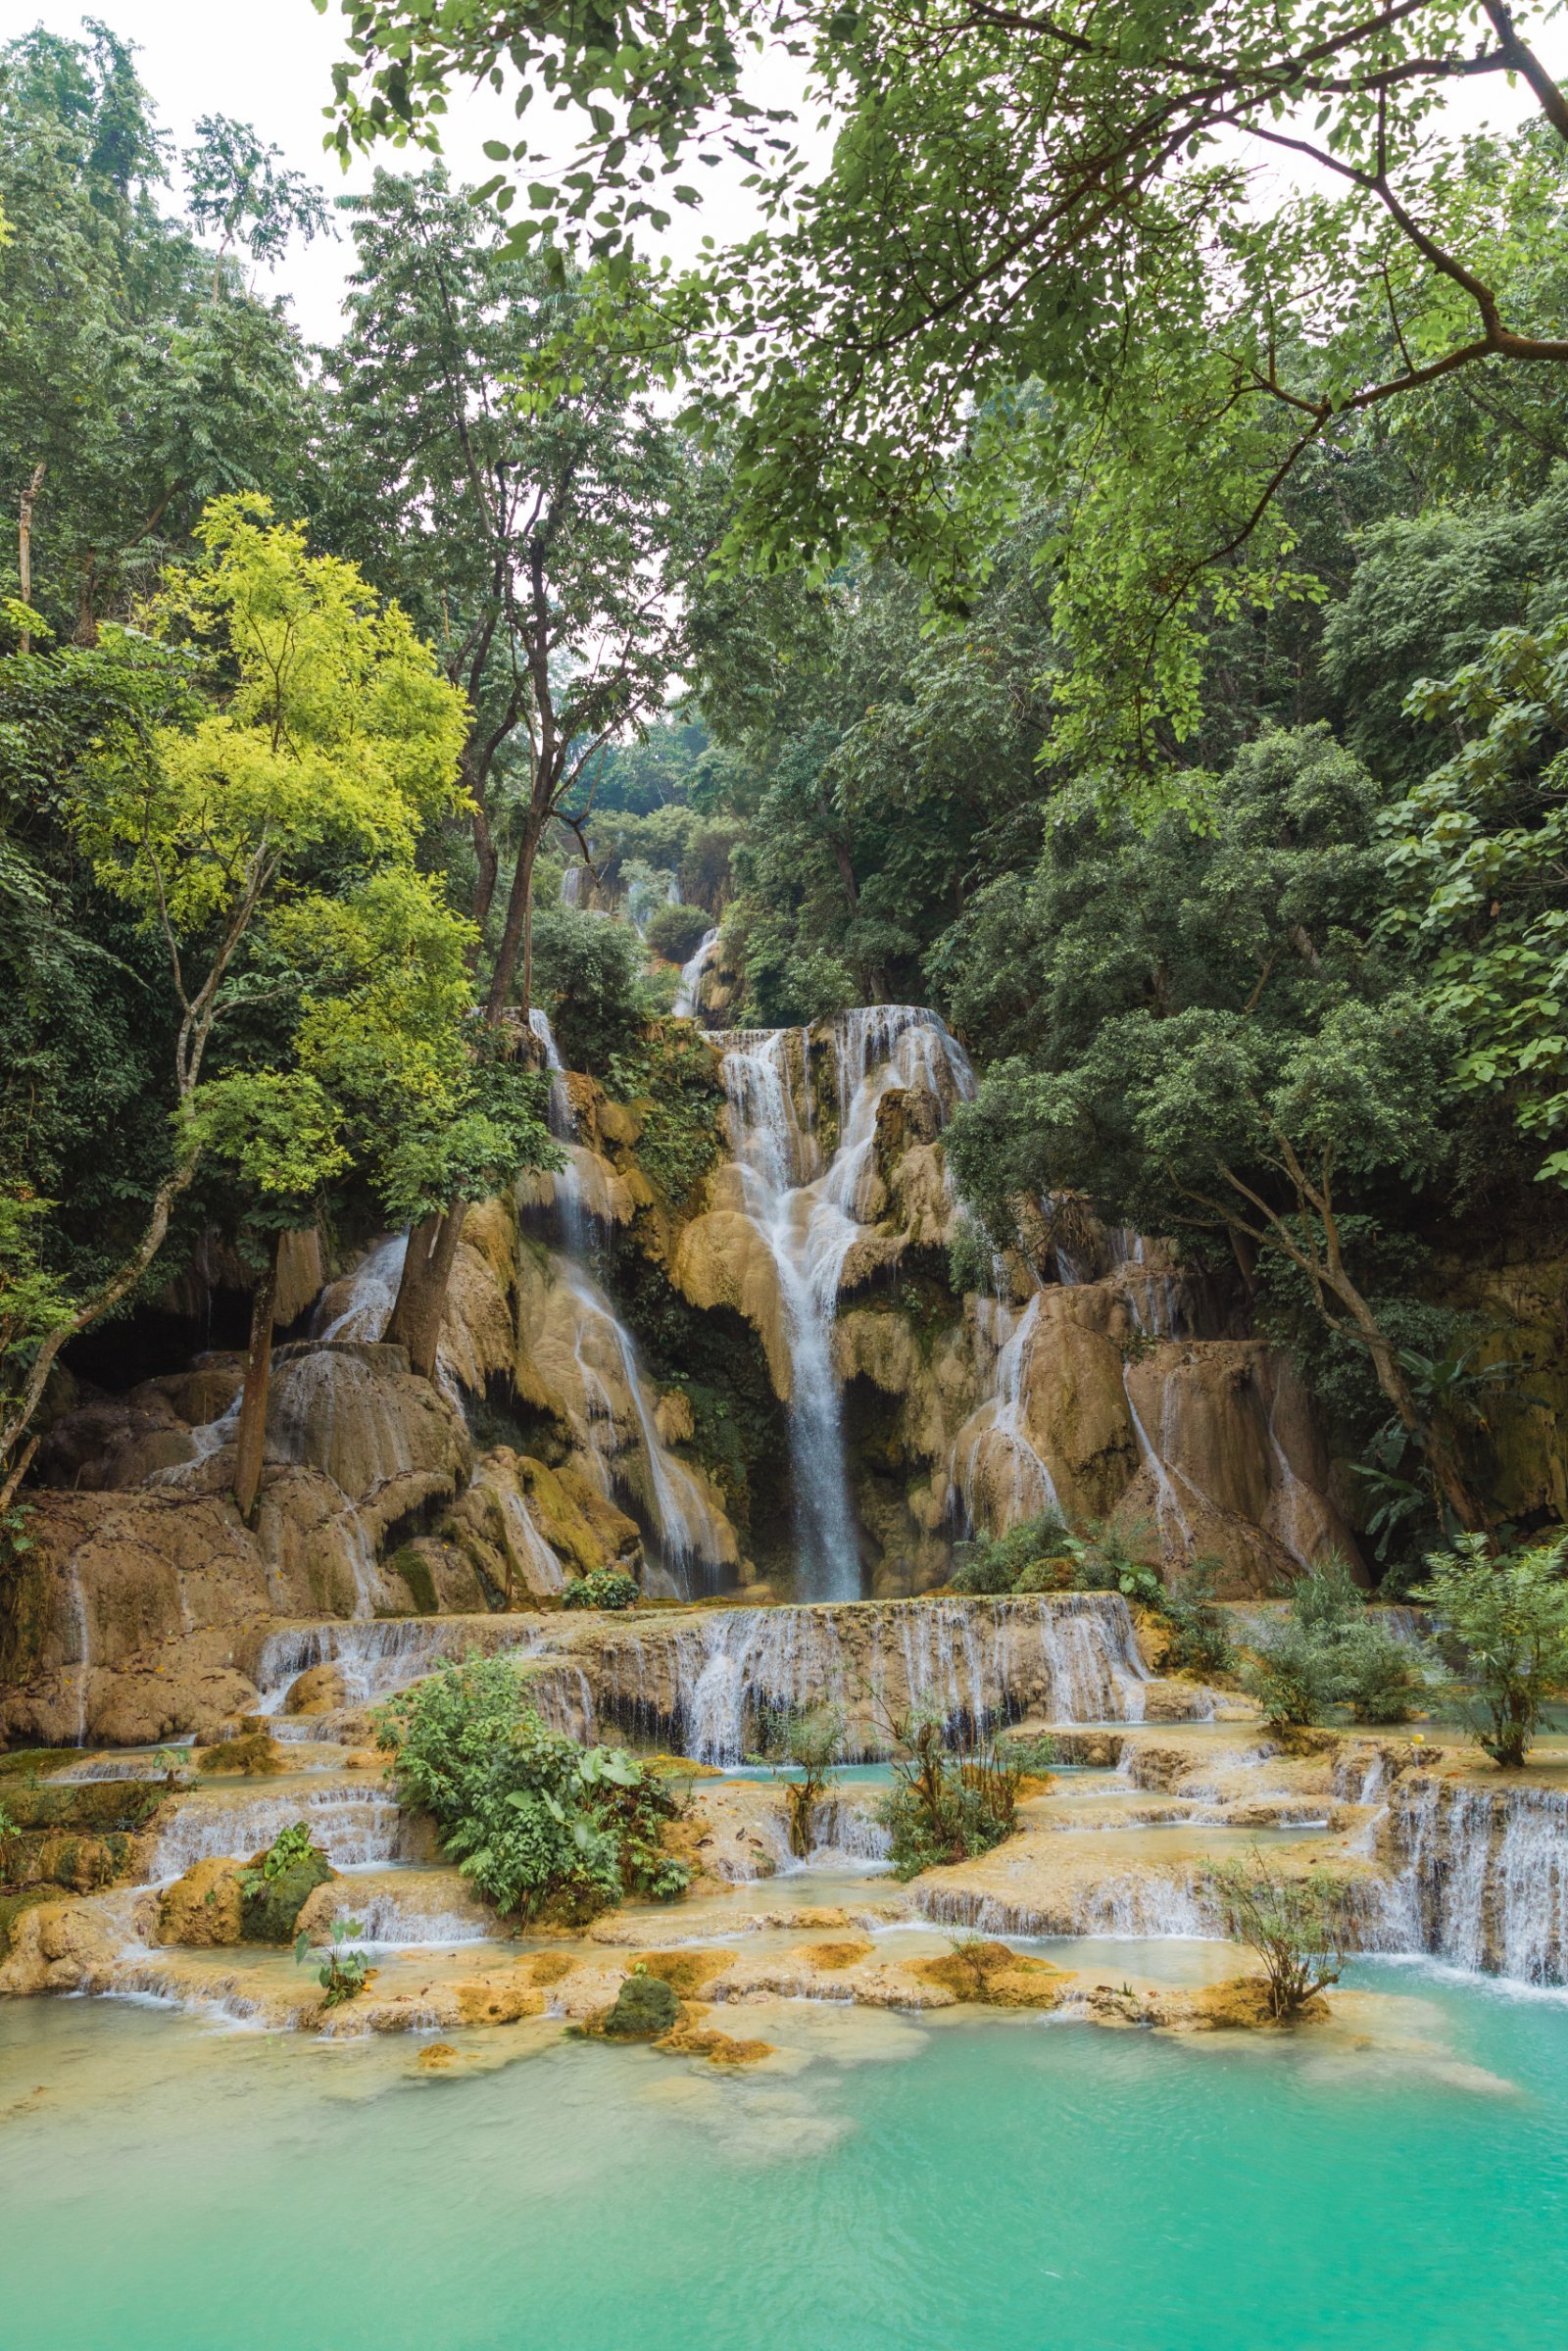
721, 1259
202, 1910
318, 1691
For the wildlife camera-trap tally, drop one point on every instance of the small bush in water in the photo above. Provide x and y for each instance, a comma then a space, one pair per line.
536, 1820
343, 1973
1295, 1926
812, 1740
604, 1588
947, 1802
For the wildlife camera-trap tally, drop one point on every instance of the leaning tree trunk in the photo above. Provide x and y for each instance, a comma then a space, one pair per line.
251, 1444
416, 1318
516, 938
1430, 1441
414, 1322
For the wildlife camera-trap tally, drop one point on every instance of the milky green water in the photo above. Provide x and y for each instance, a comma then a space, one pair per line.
968, 2184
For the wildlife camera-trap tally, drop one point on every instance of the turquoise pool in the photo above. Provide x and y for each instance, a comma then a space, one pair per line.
963, 2183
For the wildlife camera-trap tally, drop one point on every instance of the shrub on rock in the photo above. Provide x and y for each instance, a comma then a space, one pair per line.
279, 1883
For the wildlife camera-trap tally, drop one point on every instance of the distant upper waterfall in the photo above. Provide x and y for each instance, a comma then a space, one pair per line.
688, 995
810, 1207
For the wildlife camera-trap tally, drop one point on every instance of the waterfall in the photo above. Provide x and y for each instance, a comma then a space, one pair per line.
688, 996
994, 1458
1070, 1657
381, 1656
372, 1292
1148, 1907
1481, 1878
84, 1657
810, 1215
352, 1826
690, 1547
1166, 1500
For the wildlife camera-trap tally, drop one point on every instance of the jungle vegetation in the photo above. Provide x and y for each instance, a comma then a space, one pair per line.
1047, 573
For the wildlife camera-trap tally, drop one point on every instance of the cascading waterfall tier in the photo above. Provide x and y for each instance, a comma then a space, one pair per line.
690, 1547
353, 1826
1479, 1878
384, 1656
810, 1209
703, 1686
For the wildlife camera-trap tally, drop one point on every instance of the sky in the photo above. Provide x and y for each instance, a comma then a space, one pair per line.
269, 63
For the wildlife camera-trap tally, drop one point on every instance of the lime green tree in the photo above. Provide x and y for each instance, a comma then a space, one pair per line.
324, 735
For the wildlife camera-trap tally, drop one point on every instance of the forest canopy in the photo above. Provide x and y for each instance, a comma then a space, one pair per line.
1100, 574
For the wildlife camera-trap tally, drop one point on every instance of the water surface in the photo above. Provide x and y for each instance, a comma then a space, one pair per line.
963, 2183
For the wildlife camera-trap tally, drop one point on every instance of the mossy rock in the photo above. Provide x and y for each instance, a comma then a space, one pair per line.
90, 1807
42, 1760
645, 2008
270, 1914
415, 1570
252, 1753
15, 1906
62, 1859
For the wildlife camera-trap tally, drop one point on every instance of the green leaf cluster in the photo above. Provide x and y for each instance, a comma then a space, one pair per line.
542, 1827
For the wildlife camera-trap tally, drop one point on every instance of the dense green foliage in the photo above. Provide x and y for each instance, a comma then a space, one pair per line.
949, 1799
602, 1588
1137, 626
676, 932
542, 1826
1328, 1651
1509, 1619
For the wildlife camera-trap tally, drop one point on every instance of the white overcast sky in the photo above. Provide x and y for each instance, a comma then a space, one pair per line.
269, 63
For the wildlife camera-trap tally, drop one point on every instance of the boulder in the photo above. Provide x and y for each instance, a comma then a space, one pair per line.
645, 2008
203, 1910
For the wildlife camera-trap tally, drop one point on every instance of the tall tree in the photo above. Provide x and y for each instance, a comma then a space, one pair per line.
550, 525
1204, 1031
1069, 199
324, 735
129, 397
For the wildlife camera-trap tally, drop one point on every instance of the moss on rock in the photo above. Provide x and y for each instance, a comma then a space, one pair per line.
645, 2008
271, 1913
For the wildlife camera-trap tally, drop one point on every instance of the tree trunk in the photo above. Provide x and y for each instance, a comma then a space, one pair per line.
517, 936
87, 593
25, 546
484, 850
1430, 1441
416, 1318
251, 1444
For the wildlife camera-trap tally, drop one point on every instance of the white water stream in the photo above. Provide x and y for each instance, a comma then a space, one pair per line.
810, 1209
685, 1530
688, 996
